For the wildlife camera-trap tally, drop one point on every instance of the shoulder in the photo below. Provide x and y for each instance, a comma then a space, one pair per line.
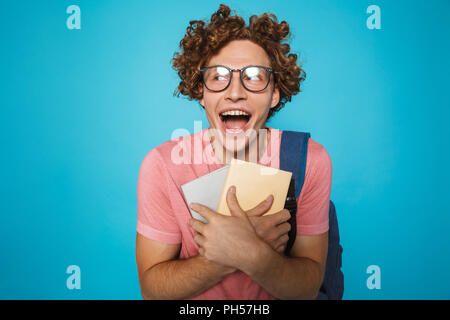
318, 160
154, 164
317, 151
163, 153
175, 158
155, 157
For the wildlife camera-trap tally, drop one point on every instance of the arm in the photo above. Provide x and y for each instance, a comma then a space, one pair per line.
302, 275
234, 241
296, 277
163, 277
161, 274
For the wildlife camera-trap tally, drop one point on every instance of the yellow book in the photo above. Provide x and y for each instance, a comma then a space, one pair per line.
254, 183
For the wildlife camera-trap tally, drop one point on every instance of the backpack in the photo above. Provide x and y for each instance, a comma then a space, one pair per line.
294, 147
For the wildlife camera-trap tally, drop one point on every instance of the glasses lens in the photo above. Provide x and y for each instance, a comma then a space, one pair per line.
255, 78
216, 78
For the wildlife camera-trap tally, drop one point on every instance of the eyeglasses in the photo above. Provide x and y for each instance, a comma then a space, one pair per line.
253, 78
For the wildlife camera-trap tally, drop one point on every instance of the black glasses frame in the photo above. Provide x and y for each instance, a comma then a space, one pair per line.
241, 72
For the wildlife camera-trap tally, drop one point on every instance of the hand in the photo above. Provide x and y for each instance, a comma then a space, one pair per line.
228, 240
273, 228
219, 268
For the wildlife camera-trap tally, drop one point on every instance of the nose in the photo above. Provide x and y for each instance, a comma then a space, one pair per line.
236, 90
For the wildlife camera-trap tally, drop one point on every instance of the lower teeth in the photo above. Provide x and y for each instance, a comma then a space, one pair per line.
234, 130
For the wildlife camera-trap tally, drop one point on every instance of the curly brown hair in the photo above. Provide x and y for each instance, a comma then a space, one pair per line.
202, 41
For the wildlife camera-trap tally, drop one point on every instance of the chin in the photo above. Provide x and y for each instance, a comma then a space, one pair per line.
235, 144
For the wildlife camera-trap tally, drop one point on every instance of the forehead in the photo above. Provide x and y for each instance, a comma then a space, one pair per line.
240, 53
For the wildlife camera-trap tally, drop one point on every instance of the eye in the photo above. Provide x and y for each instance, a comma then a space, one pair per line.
221, 73
252, 73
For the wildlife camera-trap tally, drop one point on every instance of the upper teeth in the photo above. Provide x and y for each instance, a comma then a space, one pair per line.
234, 113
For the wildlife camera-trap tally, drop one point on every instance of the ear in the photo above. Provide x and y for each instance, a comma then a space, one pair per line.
275, 97
202, 99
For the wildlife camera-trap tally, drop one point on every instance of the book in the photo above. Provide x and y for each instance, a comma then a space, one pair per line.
205, 190
254, 183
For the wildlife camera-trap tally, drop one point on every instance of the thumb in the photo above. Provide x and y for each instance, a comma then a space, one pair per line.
233, 204
261, 208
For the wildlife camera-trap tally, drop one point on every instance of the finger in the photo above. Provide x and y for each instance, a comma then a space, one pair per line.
197, 225
233, 204
281, 230
279, 217
281, 248
281, 241
204, 211
261, 208
199, 239
284, 228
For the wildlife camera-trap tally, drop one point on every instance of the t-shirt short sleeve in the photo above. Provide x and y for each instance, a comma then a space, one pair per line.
314, 200
156, 218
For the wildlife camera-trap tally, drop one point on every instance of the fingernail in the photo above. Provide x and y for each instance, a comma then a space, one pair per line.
269, 198
232, 189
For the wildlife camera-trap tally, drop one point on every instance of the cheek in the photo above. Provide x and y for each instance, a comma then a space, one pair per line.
210, 102
264, 103
205, 100
210, 110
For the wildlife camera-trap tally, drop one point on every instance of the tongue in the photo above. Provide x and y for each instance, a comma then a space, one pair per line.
236, 123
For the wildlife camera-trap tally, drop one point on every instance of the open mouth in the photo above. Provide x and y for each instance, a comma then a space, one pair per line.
235, 121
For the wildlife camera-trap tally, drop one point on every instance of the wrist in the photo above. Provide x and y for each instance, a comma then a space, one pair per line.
259, 259
217, 268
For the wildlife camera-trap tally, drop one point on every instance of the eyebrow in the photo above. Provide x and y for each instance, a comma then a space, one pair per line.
224, 65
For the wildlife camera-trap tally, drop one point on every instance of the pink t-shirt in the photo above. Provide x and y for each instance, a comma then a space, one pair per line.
163, 214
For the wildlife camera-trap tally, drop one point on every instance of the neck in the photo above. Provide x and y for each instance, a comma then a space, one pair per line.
253, 151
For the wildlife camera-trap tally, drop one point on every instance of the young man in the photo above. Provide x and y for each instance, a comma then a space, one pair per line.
240, 75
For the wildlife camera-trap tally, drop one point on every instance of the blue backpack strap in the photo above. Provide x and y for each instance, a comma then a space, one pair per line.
333, 282
294, 145
293, 152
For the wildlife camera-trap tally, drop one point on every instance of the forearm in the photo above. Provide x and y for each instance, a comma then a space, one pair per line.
181, 279
285, 277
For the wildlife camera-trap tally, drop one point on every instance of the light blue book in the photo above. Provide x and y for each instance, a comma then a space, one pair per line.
205, 190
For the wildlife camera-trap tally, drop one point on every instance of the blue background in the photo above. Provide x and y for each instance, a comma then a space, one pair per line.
81, 108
